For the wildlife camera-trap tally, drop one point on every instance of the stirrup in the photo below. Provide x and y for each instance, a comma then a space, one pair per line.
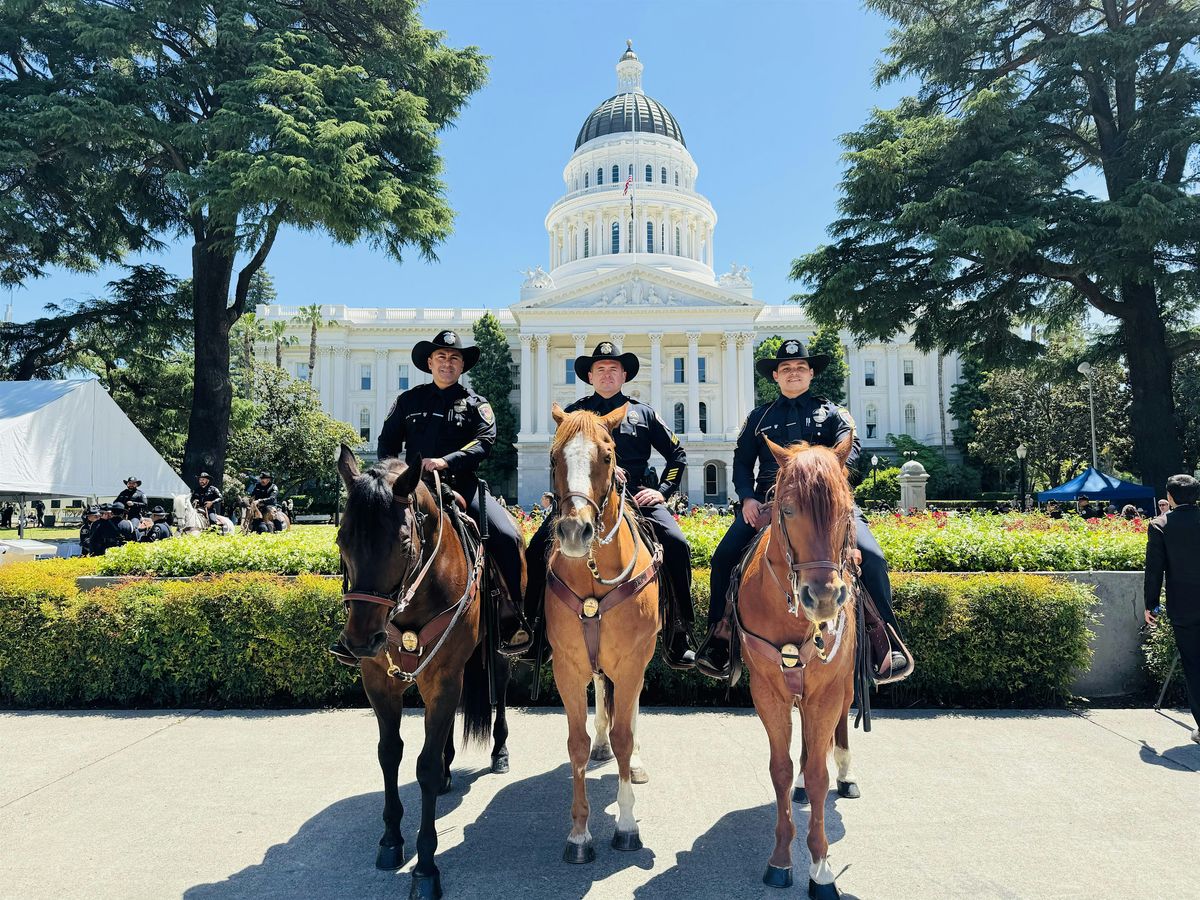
519, 644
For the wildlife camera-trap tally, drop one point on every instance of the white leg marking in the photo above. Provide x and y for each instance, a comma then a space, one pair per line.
800, 778
577, 456
635, 759
579, 838
625, 820
842, 758
820, 872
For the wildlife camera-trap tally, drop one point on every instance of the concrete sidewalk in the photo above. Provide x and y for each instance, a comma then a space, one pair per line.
216, 805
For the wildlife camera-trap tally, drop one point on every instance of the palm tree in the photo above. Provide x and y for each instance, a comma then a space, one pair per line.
311, 316
251, 329
278, 333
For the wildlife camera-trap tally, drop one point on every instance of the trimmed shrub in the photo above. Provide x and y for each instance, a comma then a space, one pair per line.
1159, 648
298, 551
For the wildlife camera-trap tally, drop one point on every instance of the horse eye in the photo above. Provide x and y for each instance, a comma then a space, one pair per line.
788, 510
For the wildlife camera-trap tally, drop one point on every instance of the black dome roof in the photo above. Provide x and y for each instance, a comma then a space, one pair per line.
629, 112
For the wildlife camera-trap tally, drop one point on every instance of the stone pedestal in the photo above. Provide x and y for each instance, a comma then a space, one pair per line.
912, 486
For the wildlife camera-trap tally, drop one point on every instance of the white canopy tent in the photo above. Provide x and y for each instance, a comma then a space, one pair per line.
71, 439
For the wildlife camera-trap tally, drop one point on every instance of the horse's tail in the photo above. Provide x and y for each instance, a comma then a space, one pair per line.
476, 704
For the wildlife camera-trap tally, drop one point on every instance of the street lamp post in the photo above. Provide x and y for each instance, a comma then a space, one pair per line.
1022, 452
1085, 368
874, 474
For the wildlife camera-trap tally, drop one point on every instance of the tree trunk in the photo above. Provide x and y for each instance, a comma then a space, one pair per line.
942, 400
1152, 406
212, 395
278, 354
312, 352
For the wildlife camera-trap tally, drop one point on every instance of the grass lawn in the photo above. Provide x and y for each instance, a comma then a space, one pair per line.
65, 533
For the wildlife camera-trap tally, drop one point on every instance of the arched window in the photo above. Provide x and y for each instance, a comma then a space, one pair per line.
676, 178
587, 243
364, 424
586, 183
703, 417
616, 237
680, 424
711, 483
910, 420
664, 175
631, 170
599, 177
872, 420
649, 237
616, 174
649, 172
678, 242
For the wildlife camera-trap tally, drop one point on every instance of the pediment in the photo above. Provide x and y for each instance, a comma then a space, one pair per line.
635, 289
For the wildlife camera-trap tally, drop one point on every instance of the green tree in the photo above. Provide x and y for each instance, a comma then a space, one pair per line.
882, 484
277, 333
1187, 402
312, 317
966, 209
946, 481
247, 331
492, 377
765, 389
967, 396
224, 122
831, 383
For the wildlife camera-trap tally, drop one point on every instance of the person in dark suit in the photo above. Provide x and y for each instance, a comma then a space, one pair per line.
1173, 551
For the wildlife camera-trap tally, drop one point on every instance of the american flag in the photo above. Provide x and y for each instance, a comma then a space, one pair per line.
628, 185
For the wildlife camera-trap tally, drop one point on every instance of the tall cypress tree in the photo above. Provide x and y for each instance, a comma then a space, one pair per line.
830, 384
492, 377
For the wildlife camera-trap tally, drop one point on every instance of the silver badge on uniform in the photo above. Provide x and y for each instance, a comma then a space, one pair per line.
820, 414
606, 348
791, 347
633, 418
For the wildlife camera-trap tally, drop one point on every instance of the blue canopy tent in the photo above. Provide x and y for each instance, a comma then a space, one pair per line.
1097, 486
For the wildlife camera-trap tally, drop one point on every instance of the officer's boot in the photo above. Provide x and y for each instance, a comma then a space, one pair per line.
713, 658
679, 647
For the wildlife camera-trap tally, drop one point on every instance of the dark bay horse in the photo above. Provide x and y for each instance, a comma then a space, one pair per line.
413, 616
796, 622
602, 615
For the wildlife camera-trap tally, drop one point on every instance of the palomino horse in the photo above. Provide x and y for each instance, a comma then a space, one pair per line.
601, 614
798, 633
276, 516
190, 521
413, 616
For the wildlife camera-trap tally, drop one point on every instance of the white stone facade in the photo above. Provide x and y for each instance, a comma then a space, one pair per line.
644, 281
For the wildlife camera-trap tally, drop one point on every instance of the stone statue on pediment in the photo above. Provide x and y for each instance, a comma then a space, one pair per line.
652, 297
637, 292
619, 298
736, 277
537, 278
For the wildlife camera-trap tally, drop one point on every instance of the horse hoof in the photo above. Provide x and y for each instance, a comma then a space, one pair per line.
822, 891
426, 887
500, 764
639, 775
800, 795
849, 790
627, 840
445, 788
778, 876
601, 754
579, 853
390, 858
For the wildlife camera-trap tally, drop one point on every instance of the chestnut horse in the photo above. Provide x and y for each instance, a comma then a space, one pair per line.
413, 616
602, 615
797, 631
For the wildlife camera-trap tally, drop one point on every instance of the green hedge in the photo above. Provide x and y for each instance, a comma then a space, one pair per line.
259, 640
297, 551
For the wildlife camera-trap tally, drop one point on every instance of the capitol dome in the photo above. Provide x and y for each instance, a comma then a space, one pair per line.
629, 112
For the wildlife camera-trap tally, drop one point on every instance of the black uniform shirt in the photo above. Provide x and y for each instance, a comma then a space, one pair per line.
805, 418
134, 500
454, 424
203, 495
127, 530
641, 432
160, 531
268, 493
85, 537
104, 535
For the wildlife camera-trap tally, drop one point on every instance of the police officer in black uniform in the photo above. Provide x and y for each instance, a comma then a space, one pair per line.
606, 370
796, 415
160, 530
125, 528
90, 517
266, 492
448, 428
133, 498
104, 532
207, 498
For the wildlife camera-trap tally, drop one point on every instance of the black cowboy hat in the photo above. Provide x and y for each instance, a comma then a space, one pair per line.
136, 481
788, 350
158, 511
264, 475
118, 507
92, 511
606, 350
204, 475
445, 340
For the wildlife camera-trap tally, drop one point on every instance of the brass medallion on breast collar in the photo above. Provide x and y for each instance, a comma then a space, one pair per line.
591, 606
791, 655
409, 641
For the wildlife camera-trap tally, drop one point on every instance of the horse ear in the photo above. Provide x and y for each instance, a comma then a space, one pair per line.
556, 413
614, 418
347, 466
782, 454
406, 482
844, 448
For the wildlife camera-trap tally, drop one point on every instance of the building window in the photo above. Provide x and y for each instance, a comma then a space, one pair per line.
599, 177
631, 170
616, 237
678, 242
649, 173
402, 379
301, 371
908, 373
569, 377
649, 237
616, 173
679, 371
701, 370
703, 417
663, 177
910, 420
586, 243
869, 373
710, 480
586, 180
680, 426
364, 376
364, 424
677, 179
872, 421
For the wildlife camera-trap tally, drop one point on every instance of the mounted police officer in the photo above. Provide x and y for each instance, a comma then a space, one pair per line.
447, 428
606, 371
207, 498
160, 530
266, 492
133, 498
794, 416
90, 517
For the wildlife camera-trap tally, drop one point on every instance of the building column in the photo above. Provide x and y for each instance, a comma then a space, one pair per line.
853, 384
580, 384
618, 339
746, 373
380, 383
895, 416
527, 397
323, 378
341, 366
693, 380
543, 374
656, 371
729, 382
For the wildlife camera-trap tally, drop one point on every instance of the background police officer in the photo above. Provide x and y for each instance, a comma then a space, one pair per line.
160, 530
133, 498
207, 498
104, 532
90, 518
266, 492
446, 427
641, 432
796, 415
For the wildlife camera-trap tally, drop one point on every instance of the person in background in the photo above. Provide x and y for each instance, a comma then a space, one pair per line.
1171, 544
1163, 507
266, 492
6, 514
40, 508
125, 528
90, 517
1129, 512
1084, 508
206, 498
1053, 510
133, 498
104, 532
159, 530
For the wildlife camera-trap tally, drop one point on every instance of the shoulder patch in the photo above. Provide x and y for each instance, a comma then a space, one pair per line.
485, 410
846, 417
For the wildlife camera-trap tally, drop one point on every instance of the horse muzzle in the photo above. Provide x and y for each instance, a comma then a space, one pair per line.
822, 601
575, 536
373, 647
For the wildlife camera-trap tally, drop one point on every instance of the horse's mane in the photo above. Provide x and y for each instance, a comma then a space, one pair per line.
580, 422
373, 504
818, 481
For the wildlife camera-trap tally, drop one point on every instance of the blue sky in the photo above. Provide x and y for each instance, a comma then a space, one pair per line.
762, 90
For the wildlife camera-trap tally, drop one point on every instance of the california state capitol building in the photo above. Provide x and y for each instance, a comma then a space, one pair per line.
646, 283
